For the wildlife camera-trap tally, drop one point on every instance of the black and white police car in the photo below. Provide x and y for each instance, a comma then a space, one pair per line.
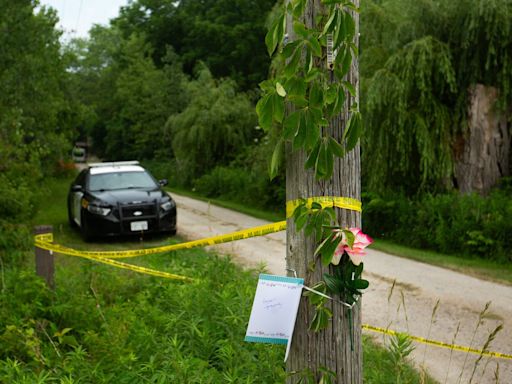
119, 198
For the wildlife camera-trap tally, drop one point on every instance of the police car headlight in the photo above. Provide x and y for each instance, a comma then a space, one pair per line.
98, 210
167, 206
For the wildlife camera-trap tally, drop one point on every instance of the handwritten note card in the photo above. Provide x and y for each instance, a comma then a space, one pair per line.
274, 309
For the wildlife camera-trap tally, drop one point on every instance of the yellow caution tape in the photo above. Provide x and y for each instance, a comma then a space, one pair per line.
137, 268
45, 241
46, 237
324, 201
239, 235
440, 343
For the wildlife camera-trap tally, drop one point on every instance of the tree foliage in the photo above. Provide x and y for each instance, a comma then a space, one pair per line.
37, 116
36, 119
417, 67
227, 35
217, 124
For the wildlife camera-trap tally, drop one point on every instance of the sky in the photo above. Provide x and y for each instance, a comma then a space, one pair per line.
78, 16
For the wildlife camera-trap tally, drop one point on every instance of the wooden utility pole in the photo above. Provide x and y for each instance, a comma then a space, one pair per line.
331, 348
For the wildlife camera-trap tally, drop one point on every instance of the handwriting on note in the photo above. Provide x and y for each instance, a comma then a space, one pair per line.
274, 309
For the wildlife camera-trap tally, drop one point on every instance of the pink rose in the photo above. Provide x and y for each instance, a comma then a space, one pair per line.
355, 253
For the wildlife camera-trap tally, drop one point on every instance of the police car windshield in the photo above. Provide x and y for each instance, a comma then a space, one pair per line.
120, 180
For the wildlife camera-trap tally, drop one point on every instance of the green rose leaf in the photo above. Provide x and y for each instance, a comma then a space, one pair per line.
360, 284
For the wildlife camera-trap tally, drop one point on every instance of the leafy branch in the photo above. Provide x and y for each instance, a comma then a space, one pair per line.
315, 95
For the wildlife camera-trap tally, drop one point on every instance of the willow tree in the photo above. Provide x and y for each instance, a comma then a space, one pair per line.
312, 104
438, 91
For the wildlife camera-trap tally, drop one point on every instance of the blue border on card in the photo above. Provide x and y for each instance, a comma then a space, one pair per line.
282, 279
269, 340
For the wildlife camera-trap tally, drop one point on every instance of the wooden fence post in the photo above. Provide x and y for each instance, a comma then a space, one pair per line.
44, 259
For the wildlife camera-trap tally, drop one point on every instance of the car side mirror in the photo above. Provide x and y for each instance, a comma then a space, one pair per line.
76, 188
163, 182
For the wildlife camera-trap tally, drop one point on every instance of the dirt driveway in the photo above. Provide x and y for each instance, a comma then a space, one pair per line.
406, 308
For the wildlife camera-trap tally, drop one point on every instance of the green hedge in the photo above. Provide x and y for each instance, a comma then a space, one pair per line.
469, 225
243, 186
239, 184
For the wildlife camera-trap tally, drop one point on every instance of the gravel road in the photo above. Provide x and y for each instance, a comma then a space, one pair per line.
408, 307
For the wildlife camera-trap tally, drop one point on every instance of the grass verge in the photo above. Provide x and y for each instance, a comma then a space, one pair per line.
239, 207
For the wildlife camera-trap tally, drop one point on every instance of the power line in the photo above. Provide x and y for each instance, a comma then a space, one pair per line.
79, 14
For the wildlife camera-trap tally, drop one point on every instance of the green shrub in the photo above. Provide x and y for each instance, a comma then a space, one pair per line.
243, 186
469, 225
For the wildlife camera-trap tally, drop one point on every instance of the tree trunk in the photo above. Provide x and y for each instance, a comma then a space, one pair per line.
482, 155
331, 348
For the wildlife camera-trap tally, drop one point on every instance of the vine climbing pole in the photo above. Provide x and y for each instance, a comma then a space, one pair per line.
338, 348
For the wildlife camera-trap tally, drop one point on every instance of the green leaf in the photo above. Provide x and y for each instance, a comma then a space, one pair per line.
333, 283
300, 135
315, 205
280, 89
291, 124
350, 88
278, 108
321, 318
292, 67
330, 23
314, 298
346, 62
296, 87
275, 34
360, 284
315, 46
312, 75
312, 129
330, 94
300, 29
339, 33
298, 8
329, 160
353, 133
277, 158
316, 95
290, 48
69, 340
335, 147
301, 221
350, 237
340, 101
313, 155
327, 251
350, 27
321, 165
267, 86
269, 40
297, 211
264, 109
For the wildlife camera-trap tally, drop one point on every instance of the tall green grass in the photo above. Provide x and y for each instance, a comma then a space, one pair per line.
104, 325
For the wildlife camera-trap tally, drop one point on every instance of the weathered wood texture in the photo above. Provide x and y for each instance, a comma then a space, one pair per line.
482, 155
44, 259
331, 348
